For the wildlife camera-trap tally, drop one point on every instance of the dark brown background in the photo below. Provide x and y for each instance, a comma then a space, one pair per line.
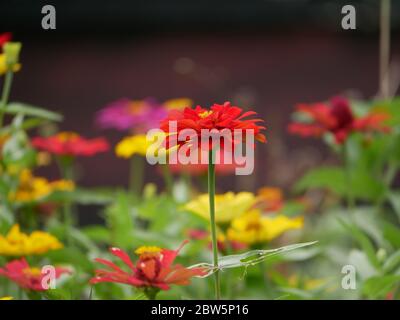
267, 55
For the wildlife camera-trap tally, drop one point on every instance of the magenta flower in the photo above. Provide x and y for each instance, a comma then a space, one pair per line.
134, 115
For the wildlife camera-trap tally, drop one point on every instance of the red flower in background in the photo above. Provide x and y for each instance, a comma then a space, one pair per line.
26, 277
5, 37
154, 269
218, 117
336, 118
70, 144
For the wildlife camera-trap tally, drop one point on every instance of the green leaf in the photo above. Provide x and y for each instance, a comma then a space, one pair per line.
119, 220
391, 234
100, 196
394, 198
29, 110
364, 242
97, 233
392, 262
250, 258
56, 294
332, 178
379, 287
361, 184
71, 256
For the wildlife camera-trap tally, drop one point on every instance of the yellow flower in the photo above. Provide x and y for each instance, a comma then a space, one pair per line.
6, 298
33, 188
178, 103
254, 228
227, 206
306, 284
139, 144
132, 145
17, 243
3, 65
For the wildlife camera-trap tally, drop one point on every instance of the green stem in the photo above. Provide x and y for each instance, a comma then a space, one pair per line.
136, 175
5, 95
347, 164
66, 167
211, 195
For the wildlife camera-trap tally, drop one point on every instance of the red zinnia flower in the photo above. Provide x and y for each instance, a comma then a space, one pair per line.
70, 144
218, 117
26, 277
5, 37
336, 118
154, 269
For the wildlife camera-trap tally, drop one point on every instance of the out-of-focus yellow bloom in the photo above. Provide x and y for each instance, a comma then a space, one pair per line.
3, 65
306, 284
6, 298
228, 206
178, 103
17, 243
254, 228
129, 146
33, 188
43, 158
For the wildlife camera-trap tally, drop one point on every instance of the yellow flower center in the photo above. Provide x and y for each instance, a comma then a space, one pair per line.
147, 250
67, 136
32, 271
205, 114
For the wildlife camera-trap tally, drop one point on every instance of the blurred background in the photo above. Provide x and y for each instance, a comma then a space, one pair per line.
264, 54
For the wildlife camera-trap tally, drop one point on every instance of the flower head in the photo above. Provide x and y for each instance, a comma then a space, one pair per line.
336, 118
33, 188
129, 146
154, 269
219, 117
270, 199
137, 115
17, 243
27, 277
70, 144
6, 298
254, 228
5, 37
227, 206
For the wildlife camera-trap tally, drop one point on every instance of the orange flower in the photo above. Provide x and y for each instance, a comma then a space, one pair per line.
271, 199
154, 269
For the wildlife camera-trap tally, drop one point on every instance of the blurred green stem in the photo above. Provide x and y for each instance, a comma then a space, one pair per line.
136, 171
5, 95
348, 177
211, 195
67, 172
